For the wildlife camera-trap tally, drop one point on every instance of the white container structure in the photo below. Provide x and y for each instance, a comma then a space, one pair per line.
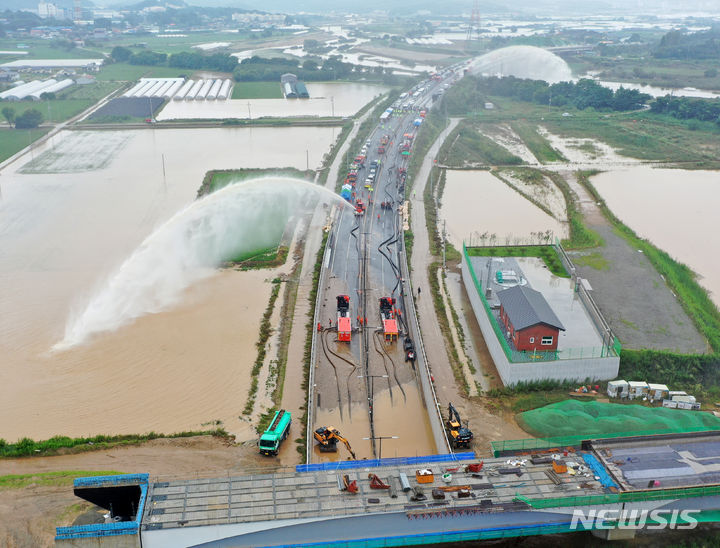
224, 92
618, 389
657, 392
54, 88
173, 89
214, 90
194, 90
674, 393
686, 402
204, 90
182, 92
638, 389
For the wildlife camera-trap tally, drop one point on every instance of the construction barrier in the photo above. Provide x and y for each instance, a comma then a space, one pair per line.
374, 463
119, 479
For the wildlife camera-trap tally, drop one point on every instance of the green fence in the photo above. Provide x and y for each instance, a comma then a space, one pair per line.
496, 327
518, 356
616, 498
529, 444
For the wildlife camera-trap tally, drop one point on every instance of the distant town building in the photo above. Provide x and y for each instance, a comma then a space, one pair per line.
8, 76
258, 18
84, 79
48, 10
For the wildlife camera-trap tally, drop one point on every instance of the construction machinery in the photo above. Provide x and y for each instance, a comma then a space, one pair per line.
344, 325
359, 207
274, 435
328, 437
409, 348
390, 327
458, 435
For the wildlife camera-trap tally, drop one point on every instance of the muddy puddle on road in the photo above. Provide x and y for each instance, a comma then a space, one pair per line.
405, 418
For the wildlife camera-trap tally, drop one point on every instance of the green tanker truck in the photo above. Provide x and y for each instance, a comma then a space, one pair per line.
277, 431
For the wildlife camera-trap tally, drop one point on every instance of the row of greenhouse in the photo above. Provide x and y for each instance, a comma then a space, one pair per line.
178, 89
35, 89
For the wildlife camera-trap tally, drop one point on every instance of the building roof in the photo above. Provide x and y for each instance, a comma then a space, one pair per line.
526, 307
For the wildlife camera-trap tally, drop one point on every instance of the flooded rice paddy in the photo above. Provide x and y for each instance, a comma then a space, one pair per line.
66, 224
477, 202
675, 209
326, 99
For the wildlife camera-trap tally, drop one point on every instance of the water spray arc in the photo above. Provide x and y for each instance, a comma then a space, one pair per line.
236, 220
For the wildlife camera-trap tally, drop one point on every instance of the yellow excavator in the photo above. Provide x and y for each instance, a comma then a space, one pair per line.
459, 435
328, 436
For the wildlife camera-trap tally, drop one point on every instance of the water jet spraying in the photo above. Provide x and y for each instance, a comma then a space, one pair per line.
236, 220
523, 62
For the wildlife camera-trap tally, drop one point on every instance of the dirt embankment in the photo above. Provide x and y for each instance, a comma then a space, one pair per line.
29, 515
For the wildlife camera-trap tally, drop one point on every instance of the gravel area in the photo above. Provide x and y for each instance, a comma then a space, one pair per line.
635, 300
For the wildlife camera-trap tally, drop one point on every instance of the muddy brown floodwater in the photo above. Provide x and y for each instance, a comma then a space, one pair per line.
71, 213
675, 209
478, 202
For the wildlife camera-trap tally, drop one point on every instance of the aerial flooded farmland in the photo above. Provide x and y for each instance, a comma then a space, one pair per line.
71, 215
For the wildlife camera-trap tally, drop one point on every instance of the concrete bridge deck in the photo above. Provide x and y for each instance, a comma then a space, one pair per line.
248, 499
510, 496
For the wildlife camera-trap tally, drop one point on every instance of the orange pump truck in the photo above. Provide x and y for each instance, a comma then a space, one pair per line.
390, 327
344, 325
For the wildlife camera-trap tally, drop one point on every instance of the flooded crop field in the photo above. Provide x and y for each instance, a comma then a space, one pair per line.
678, 213
71, 214
326, 99
477, 202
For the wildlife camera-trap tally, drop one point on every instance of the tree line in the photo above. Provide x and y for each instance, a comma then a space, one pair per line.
582, 94
255, 69
687, 108
29, 119
677, 44
221, 62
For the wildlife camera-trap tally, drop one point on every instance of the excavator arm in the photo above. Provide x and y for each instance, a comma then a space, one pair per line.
347, 444
453, 415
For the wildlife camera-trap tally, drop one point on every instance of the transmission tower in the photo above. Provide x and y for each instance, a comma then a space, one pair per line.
473, 31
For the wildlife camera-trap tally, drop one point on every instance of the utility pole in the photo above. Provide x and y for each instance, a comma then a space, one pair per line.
443, 244
307, 159
249, 115
332, 105
163, 166
371, 396
382, 438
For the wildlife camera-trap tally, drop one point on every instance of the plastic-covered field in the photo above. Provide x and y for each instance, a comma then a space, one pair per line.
571, 417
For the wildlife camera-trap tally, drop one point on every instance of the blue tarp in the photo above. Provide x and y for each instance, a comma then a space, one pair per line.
373, 463
599, 470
